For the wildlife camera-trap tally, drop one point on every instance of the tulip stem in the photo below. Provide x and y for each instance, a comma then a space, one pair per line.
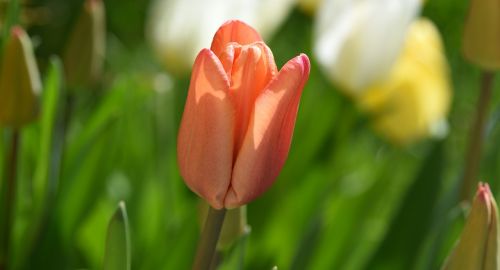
216, 260
10, 192
473, 154
209, 238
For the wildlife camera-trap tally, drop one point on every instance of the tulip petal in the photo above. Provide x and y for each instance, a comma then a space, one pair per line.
252, 70
233, 31
269, 135
227, 57
205, 140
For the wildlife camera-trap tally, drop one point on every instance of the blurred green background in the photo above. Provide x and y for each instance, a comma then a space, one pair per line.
346, 198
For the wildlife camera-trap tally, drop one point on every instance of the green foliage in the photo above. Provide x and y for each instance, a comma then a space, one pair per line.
345, 199
45, 178
117, 254
395, 251
9, 19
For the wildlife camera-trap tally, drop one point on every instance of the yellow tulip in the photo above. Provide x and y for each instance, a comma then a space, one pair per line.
414, 100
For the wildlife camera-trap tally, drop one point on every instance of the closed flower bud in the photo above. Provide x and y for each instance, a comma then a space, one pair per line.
477, 247
20, 82
412, 103
481, 42
85, 50
239, 117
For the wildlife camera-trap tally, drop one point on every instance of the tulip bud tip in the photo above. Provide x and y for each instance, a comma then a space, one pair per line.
17, 31
92, 3
121, 204
305, 60
483, 191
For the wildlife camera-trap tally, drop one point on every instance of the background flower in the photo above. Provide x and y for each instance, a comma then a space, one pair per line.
481, 43
357, 42
20, 83
414, 100
179, 29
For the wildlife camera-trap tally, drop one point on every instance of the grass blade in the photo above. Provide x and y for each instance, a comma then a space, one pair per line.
117, 254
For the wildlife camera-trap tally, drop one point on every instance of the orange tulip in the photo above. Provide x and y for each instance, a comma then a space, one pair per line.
239, 117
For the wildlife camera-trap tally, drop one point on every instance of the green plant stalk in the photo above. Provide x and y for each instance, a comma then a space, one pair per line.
209, 238
46, 175
117, 253
242, 252
9, 203
11, 18
216, 260
473, 154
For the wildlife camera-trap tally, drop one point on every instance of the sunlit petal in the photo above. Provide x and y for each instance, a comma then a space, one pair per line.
252, 70
269, 135
233, 31
205, 142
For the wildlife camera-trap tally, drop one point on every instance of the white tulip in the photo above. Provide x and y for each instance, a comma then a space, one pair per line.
179, 29
358, 41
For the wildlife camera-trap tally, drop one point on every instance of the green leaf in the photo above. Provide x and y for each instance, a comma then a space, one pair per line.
11, 18
51, 136
84, 163
49, 152
413, 221
117, 254
2, 150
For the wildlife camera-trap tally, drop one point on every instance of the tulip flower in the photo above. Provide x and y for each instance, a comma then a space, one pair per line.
239, 117
481, 42
478, 244
413, 102
357, 42
84, 55
20, 82
177, 38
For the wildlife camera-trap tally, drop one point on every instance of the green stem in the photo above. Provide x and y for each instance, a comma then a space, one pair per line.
216, 260
10, 192
243, 247
209, 238
473, 155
